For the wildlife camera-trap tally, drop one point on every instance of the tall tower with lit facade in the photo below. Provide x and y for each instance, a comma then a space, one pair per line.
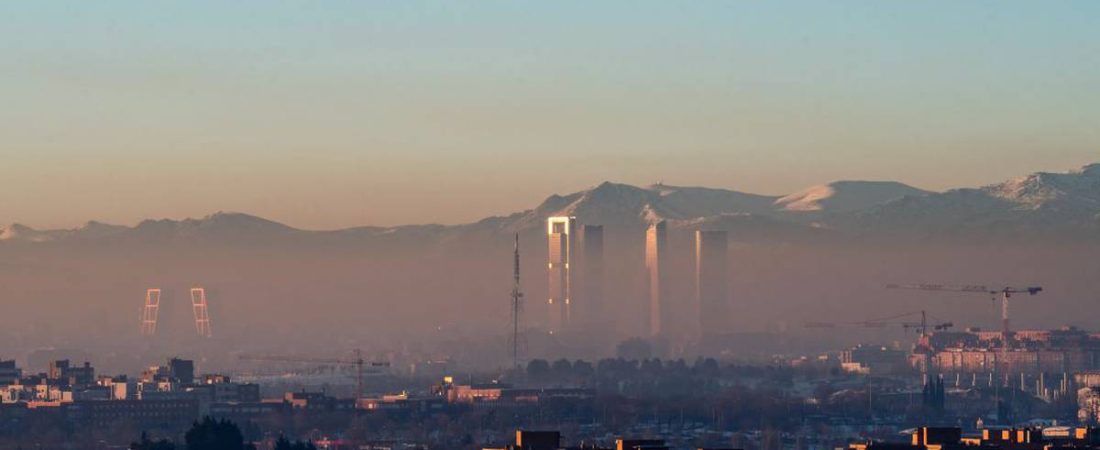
656, 263
711, 287
561, 233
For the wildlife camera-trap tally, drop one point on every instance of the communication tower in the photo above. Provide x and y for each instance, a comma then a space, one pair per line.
517, 304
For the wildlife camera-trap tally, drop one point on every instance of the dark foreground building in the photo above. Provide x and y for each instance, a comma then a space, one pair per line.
551, 440
933, 438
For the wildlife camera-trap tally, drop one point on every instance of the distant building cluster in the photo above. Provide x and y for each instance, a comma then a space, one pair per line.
171, 396
576, 280
1065, 350
505, 394
1049, 363
1088, 396
873, 359
493, 394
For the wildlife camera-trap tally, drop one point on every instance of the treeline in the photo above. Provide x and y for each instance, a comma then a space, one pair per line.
210, 434
656, 378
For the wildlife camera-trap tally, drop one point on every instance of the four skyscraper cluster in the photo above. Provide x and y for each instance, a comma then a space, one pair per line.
576, 280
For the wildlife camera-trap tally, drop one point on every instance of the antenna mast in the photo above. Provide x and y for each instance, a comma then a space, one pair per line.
517, 304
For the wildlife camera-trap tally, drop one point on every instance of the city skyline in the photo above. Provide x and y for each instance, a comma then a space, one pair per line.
568, 225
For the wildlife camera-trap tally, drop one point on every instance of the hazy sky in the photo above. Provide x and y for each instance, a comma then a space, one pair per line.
330, 114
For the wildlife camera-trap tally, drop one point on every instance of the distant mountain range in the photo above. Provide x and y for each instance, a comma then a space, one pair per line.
1064, 205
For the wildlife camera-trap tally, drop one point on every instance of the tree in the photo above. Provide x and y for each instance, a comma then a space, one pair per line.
652, 367
538, 369
634, 348
679, 367
213, 434
707, 367
147, 444
284, 444
583, 369
562, 368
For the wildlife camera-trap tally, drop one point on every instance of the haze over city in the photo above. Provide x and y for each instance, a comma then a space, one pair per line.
549, 225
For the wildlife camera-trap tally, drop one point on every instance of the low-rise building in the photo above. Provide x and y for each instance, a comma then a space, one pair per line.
9, 373
63, 373
317, 401
175, 414
867, 359
501, 393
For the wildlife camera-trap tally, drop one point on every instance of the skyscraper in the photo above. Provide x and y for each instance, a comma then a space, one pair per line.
560, 234
592, 275
656, 263
711, 287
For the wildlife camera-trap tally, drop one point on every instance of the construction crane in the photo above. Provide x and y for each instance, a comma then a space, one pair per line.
922, 326
359, 363
1003, 292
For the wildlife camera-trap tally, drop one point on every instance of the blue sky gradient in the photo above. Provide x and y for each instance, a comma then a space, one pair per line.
330, 114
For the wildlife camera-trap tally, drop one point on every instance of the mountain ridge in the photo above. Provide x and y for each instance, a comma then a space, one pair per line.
1038, 201
846, 195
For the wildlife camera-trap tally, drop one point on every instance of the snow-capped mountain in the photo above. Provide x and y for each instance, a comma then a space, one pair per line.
1041, 203
622, 205
91, 230
1076, 190
846, 196
20, 232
